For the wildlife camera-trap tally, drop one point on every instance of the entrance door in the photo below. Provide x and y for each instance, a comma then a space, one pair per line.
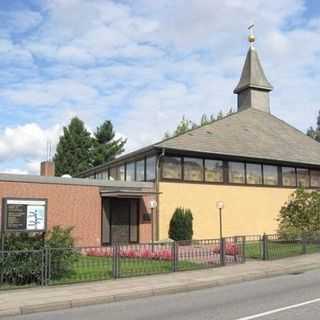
120, 220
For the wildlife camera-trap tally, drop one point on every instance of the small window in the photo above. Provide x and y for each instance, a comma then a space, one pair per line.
303, 178
171, 168
140, 170
236, 172
130, 173
270, 175
121, 173
104, 175
213, 170
254, 173
315, 178
193, 169
289, 177
151, 169
113, 173
99, 175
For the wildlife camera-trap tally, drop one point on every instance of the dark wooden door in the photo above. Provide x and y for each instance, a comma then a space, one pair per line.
120, 220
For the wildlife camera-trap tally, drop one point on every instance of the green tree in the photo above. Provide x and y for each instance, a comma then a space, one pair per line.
300, 216
186, 125
105, 146
315, 133
183, 126
74, 150
181, 225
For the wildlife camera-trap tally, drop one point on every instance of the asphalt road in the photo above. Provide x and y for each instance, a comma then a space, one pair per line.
288, 297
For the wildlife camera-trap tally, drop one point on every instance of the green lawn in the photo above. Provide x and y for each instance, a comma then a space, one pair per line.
100, 268
278, 250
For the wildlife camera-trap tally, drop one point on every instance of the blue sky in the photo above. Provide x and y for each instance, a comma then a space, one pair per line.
144, 64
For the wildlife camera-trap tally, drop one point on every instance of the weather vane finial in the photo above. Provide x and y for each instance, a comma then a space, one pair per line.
251, 37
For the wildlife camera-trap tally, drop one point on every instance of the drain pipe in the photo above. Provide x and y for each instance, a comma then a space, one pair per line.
157, 189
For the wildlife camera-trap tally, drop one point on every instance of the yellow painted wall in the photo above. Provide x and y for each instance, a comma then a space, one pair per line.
248, 210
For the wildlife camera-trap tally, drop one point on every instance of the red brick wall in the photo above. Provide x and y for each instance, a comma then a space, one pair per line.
68, 205
145, 226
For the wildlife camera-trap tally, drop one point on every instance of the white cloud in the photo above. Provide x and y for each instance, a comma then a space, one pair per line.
143, 64
50, 93
15, 171
27, 141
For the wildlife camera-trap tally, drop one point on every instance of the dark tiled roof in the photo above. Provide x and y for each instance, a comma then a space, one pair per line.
74, 181
252, 75
252, 134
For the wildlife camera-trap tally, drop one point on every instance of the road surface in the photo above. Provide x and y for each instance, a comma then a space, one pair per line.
288, 297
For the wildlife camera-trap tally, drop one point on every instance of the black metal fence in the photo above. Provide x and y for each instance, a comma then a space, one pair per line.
273, 246
53, 266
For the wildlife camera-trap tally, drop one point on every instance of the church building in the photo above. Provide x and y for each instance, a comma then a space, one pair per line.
250, 160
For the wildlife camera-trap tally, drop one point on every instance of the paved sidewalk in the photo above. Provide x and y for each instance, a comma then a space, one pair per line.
25, 301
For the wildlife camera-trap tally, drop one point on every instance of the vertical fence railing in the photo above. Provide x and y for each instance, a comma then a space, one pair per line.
274, 246
54, 266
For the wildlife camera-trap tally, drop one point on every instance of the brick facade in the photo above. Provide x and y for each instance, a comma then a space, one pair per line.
72, 205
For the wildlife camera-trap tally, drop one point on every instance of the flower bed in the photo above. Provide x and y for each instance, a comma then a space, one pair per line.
157, 254
231, 249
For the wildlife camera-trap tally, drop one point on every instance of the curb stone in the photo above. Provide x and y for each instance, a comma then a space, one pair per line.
10, 312
191, 286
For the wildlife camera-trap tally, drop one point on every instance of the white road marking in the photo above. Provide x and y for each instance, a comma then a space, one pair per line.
267, 313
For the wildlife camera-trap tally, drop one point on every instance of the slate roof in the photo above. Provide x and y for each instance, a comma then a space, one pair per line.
252, 134
252, 75
106, 184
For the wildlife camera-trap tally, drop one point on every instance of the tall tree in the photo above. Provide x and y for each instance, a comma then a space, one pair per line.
183, 126
315, 133
186, 125
105, 146
74, 149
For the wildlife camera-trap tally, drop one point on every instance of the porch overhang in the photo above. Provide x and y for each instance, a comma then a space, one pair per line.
123, 193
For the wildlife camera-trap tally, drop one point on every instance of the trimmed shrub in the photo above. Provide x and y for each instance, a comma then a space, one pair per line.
181, 225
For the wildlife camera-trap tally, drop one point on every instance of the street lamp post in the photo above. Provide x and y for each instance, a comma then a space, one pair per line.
153, 205
220, 206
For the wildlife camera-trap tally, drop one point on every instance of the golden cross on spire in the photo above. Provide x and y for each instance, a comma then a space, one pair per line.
251, 37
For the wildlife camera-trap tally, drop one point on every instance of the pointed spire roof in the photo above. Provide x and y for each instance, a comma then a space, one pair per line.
252, 75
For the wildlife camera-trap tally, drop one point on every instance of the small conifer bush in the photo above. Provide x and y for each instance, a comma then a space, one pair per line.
181, 225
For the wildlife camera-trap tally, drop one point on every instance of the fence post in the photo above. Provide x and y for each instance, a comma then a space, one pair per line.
265, 252
304, 246
174, 256
43, 269
114, 274
115, 260
2, 268
235, 250
222, 245
243, 249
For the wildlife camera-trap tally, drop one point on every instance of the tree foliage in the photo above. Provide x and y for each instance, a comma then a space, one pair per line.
185, 124
300, 216
78, 150
181, 225
105, 146
74, 149
315, 133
